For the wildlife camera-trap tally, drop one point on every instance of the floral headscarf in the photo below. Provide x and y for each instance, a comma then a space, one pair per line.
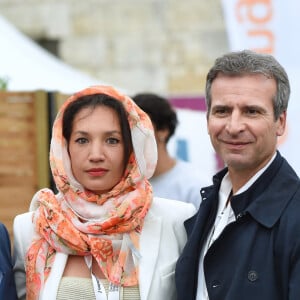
79, 222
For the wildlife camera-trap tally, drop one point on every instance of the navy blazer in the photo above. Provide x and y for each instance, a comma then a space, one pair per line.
258, 255
7, 283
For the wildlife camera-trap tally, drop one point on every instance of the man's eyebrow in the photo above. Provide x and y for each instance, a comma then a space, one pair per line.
256, 107
218, 106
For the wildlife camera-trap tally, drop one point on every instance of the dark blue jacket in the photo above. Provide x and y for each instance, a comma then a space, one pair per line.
258, 255
7, 283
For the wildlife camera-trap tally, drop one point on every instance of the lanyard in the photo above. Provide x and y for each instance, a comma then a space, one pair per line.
99, 290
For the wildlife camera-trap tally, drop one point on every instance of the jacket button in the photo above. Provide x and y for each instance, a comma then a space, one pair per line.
240, 215
215, 284
252, 276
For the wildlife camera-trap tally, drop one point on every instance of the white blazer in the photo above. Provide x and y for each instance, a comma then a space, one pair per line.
162, 240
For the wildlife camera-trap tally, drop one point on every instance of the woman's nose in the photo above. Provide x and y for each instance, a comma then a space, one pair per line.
96, 151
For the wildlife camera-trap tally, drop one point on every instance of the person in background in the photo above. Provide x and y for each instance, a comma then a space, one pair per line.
173, 178
103, 235
7, 282
244, 242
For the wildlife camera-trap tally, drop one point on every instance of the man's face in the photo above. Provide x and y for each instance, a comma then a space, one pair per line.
241, 122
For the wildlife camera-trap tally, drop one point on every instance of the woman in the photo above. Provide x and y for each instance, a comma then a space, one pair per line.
103, 236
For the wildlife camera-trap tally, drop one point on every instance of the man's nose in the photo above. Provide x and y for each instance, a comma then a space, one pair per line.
235, 123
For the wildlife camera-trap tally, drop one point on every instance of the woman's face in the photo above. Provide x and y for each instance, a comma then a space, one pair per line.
96, 149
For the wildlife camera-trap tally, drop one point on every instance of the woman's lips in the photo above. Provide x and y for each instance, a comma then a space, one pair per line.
96, 172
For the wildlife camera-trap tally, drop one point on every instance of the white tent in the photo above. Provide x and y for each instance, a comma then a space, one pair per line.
29, 67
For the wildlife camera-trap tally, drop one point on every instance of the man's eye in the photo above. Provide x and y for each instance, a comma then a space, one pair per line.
252, 111
220, 111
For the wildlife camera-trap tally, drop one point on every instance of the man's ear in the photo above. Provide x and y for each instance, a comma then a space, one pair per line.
281, 124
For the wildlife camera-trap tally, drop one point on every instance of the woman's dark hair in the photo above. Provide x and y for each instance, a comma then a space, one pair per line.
92, 101
160, 111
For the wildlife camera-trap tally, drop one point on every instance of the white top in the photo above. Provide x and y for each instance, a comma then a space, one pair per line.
183, 182
225, 216
77, 288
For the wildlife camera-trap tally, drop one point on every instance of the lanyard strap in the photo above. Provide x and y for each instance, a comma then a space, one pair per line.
99, 289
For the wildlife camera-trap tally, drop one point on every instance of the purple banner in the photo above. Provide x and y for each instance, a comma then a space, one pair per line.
189, 102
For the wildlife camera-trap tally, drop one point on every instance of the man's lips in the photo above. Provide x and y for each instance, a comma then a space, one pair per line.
234, 141
235, 145
97, 171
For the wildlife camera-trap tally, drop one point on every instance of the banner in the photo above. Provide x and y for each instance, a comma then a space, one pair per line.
191, 143
271, 26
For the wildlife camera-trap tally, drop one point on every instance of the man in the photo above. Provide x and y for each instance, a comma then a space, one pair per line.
173, 178
7, 283
244, 242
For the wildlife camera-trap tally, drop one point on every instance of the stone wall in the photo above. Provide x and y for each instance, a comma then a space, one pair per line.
164, 46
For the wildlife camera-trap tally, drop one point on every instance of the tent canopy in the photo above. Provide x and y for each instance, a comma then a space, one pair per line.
28, 67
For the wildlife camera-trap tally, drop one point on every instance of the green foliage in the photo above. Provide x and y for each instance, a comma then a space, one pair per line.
3, 83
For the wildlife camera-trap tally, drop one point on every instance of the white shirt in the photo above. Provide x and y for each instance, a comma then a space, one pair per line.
225, 216
183, 182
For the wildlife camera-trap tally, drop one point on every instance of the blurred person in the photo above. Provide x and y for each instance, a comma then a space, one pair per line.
244, 242
173, 178
7, 282
103, 236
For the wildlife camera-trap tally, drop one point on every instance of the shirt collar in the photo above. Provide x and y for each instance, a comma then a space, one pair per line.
226, 185
268, 195
255, 177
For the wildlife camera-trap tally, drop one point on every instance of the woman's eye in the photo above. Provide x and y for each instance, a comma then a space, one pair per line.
81, 140
112, 141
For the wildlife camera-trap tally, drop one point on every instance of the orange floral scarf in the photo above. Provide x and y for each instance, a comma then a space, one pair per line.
79, 222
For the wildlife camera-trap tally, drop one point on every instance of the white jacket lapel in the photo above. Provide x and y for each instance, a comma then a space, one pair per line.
149, 247
52, 283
